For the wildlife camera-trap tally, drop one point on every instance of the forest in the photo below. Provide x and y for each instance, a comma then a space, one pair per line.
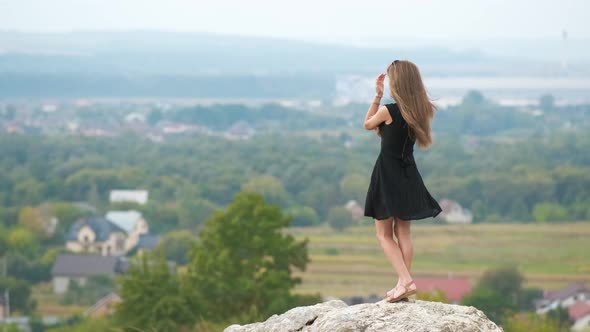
505, 164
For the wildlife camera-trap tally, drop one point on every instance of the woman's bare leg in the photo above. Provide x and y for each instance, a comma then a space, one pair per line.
401, 229
384, 232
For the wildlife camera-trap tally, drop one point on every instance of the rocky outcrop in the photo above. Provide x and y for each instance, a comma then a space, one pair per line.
337, 316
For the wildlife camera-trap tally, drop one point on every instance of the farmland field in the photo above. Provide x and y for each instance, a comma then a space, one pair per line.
351, 262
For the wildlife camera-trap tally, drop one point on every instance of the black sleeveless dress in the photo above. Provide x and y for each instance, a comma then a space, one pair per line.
396, 187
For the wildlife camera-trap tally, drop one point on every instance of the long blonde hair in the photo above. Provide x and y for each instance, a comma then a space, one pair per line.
407, 89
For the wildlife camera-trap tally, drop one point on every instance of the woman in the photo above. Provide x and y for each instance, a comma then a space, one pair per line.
397, 193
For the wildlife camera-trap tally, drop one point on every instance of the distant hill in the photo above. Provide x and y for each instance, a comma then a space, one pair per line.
198, 53
152, 63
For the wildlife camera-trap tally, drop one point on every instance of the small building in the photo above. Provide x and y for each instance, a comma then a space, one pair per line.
147, 242
132, 222
103, 307
241, 130
564, 297
453, 213
133, 196
114, 235
98, 235
135, 117
78, 268
579, 312
356, 210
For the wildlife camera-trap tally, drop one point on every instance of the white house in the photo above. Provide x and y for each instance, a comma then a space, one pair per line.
135, 117
114, 235
453, 213
96, 234
356, 211
134, 196
132, 222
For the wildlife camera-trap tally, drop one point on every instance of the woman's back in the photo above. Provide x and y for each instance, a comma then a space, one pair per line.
395, 138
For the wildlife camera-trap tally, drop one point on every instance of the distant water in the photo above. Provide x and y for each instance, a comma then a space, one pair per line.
504, 90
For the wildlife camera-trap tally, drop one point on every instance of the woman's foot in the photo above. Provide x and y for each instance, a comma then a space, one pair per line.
390, 292
401, 291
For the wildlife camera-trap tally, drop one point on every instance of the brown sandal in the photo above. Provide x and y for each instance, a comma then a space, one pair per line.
407, 293
387, 295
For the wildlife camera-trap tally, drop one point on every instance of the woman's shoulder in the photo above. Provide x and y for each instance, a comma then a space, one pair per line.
393, 109
392, 106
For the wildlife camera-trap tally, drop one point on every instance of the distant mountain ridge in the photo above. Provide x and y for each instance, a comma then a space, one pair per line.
203, 54
175, 64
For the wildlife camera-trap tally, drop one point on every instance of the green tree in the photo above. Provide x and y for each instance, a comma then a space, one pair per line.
22, 241
530, 321
270, 187
242, 263
31, 218
29, 191
528, 296
505, 280
176, 246
339, 218
491, 302
497, 293
561, 317
193, 212
354, 186
152, 297
548, 211
20, 294
66, 215
303, 216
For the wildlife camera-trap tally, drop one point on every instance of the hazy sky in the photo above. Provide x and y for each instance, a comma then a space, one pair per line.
339, 21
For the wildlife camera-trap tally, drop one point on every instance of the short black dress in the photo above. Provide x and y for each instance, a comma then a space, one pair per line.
396, 187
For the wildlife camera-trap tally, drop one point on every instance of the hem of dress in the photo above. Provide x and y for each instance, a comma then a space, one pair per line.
432, 214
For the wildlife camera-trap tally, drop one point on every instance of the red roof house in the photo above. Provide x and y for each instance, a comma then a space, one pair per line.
454, 288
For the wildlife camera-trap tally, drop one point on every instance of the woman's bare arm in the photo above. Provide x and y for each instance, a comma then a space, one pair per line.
375, 114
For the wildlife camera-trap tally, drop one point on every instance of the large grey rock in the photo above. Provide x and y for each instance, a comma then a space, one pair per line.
336, 316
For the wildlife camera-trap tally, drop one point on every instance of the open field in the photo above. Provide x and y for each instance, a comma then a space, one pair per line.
352, 263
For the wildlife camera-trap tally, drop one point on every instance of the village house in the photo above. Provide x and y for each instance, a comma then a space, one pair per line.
78, 268
454, 288
579, 312
453, 213
114, 235
132, 222
96, 234
355, 209
575, 297
563, 297
133, 196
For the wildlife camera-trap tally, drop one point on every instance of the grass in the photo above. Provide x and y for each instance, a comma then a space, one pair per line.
352, 263
49, 304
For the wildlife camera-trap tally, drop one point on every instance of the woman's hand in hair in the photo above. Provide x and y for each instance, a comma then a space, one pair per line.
379, 84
